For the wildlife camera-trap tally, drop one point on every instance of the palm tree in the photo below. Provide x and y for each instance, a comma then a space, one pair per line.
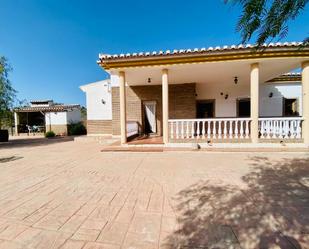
268, 19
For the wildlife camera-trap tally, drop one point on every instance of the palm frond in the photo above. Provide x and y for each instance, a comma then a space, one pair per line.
268, 19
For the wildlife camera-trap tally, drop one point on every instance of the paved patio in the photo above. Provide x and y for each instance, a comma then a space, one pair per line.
71, 195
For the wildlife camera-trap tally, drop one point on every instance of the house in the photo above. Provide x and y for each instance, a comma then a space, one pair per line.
227, 94
45, 115
99, 107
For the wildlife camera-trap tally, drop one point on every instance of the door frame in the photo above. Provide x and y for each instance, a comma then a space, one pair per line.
144, 116
207, 101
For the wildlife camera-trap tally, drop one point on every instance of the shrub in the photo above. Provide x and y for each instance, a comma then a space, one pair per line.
77, 129
50, 134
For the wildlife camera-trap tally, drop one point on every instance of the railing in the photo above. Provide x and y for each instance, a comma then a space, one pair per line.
280, 128
215, 128
132, 128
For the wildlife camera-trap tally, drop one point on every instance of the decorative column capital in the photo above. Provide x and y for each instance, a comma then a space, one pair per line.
255, 65
164, 70
305, 64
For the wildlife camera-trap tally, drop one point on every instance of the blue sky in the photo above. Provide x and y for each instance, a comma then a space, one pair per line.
53, 45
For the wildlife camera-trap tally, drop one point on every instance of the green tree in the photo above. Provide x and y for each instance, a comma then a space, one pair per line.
267, 19
7, 94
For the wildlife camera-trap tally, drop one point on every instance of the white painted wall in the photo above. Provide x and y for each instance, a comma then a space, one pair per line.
56, 118
63, 118
95, 93
73, 116
268, 106
223, 107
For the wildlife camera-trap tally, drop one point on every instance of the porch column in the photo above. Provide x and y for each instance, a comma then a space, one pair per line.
123, 114
16, 122
165, 105
254, 100
305, 93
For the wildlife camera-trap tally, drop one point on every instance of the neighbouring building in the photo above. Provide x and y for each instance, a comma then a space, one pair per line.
221, 94
45, 115
99, 107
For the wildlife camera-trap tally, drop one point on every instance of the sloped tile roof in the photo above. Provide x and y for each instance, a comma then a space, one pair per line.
105, 57
52, 108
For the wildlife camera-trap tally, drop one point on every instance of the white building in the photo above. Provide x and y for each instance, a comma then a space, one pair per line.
99, 107
241, 94
45, 115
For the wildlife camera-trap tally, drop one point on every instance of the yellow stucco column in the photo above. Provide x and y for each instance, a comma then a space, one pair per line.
165, 105
123, 114
254, 100
305, 87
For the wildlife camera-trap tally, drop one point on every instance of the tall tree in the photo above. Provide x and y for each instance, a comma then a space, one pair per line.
7, 93
268, 19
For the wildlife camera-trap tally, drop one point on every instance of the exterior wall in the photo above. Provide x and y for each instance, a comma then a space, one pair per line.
95, 127
223, 107
56, 118
95, 93
73, 116
58, 129
269, 107
181, 103
99, 114
58, 121
274, 106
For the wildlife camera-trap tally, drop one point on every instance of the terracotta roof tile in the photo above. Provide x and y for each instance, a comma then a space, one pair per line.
196, 50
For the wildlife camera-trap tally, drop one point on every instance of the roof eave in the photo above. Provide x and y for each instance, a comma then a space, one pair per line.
204, 56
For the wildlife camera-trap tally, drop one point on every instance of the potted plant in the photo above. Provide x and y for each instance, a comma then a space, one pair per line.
7, 96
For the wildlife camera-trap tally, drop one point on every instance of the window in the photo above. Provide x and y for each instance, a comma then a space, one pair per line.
290, 107
205, 109
243, 108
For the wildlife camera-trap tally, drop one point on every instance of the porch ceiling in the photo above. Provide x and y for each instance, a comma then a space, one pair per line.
212, 72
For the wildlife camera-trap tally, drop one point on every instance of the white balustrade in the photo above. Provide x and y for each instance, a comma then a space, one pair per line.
234, 128
215, 128
280, 128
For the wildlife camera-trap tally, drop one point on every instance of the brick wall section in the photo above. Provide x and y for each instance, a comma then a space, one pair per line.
99, 127
181, 103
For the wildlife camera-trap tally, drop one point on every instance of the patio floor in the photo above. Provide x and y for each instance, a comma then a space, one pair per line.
70, 195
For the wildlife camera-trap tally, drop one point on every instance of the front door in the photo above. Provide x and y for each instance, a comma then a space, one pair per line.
150, 122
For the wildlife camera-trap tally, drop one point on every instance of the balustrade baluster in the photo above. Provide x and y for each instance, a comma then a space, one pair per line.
225, 130
214, 132
187, 129
231, 129
247, 129
236, 129
298, 129
182, 130
203, 129
241, 129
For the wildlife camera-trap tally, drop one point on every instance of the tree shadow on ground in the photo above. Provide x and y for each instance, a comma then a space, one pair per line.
9, 159
33, 142
272, 212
